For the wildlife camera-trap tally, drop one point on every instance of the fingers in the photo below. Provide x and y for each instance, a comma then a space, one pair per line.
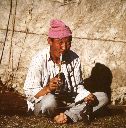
53, 84
54, 81
90, 98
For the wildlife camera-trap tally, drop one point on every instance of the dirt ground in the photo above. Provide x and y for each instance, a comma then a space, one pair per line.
13, 114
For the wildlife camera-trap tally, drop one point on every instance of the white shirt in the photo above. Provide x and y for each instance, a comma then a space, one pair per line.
42, 68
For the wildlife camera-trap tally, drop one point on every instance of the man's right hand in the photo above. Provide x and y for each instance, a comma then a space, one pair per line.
53, 84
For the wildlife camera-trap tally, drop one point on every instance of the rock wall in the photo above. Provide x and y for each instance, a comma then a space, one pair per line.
99, 36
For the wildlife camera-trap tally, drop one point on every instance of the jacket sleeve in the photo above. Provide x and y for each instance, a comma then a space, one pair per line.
81, 91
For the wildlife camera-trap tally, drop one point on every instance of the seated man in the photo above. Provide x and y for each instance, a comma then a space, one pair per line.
55, 76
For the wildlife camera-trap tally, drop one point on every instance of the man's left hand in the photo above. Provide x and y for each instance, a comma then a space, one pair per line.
91, 99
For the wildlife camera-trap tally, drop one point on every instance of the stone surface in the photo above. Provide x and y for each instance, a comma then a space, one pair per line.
99, 36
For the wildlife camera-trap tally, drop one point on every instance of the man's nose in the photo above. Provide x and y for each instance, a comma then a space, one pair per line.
63, 46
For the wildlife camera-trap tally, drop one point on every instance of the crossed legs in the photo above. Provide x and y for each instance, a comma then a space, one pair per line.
48, 105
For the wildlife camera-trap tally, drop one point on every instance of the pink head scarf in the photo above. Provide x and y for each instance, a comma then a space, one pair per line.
58, 29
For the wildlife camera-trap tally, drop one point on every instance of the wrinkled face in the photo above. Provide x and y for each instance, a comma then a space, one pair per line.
59, 46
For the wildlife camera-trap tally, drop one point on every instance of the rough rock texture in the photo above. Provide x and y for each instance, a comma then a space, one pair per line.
99, 36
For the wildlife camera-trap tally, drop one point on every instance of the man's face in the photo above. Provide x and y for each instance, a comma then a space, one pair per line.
59, 46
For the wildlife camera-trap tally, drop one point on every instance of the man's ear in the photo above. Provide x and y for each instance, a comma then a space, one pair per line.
49, 41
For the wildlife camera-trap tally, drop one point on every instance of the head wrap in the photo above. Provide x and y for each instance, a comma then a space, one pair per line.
58, 29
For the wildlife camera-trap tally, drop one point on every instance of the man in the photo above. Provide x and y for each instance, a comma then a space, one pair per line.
45, 87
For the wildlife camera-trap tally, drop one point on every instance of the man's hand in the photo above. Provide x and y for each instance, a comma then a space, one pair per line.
53, 84
91, 99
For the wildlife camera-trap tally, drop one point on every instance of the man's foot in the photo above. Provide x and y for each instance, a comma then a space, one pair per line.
61, 118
